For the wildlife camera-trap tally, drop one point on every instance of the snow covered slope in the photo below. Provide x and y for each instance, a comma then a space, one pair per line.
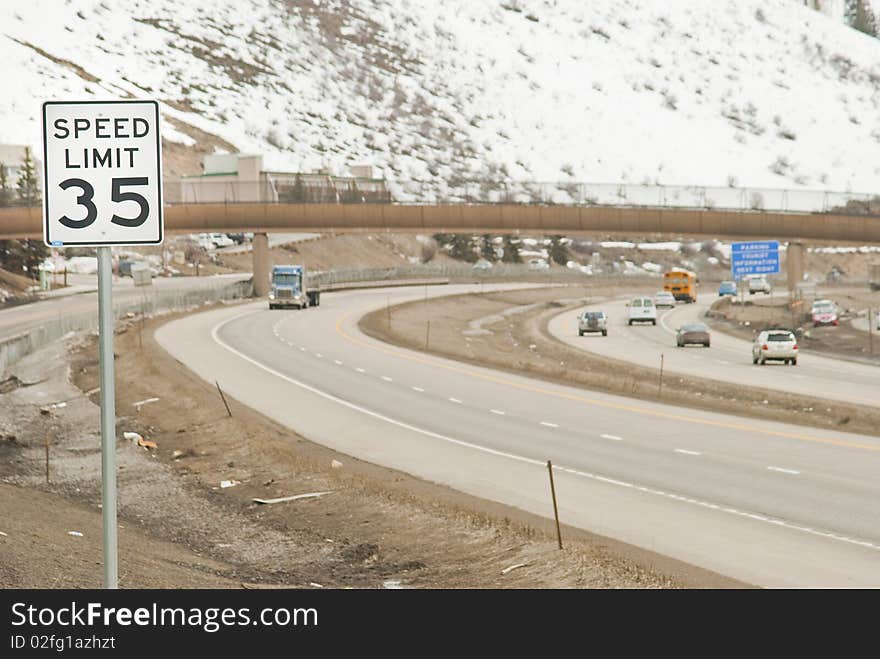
727, 92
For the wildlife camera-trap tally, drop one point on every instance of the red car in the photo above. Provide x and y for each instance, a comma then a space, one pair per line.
824, 313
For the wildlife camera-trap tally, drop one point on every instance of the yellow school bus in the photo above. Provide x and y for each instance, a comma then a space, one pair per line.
682, 284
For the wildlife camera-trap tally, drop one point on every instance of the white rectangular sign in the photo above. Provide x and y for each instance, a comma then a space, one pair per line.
103, 173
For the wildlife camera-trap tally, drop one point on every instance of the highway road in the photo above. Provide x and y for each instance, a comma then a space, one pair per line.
728, 358
767, 503
15, 320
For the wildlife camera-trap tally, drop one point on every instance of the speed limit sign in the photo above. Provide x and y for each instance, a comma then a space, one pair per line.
103, 173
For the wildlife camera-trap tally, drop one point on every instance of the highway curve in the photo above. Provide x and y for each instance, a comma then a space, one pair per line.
766, 503
728, 359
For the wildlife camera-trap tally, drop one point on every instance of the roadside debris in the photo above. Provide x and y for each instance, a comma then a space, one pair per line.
309, 495
3, 534
141, 403
315, 585
176, 454
137, 438
75, 533
511, 568
336, 464
225, 484
392, 584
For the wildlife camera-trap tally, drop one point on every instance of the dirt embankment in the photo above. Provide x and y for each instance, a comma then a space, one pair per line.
520, 343
376, 527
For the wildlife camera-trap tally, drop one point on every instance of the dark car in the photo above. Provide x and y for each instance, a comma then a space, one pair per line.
694, 333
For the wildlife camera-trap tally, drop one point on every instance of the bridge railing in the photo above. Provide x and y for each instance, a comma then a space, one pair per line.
205, 190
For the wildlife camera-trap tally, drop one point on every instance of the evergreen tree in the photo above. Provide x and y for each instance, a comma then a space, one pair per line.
558, 251
22, 256
487, 249
5, 192
511, 251
28, 190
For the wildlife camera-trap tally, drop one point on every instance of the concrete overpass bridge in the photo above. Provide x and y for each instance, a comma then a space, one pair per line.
799, 216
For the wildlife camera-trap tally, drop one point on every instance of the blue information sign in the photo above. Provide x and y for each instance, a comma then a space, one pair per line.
757, 258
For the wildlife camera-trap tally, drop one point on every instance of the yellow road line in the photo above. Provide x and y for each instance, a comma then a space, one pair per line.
593, 401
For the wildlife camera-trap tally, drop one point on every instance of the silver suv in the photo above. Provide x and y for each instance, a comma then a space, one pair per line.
593, 321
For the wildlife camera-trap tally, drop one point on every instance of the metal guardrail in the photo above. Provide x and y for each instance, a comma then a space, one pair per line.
206, 190
14, 348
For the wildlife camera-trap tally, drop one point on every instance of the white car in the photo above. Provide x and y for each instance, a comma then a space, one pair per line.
759, 285
775, 345
664, 299
220, 240
642, 310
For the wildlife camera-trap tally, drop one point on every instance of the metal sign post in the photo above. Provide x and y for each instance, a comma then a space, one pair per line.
108, 415
102, 187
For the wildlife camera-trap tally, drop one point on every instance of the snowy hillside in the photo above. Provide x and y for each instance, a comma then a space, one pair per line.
729, 92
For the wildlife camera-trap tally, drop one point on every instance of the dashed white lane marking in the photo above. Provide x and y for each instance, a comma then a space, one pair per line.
215, 331
318, 355
549, 425
614, 437
784, 471
497, 412
686, 452
419, 389
360, 370
387, 379
455, 400
337, 362
303, 348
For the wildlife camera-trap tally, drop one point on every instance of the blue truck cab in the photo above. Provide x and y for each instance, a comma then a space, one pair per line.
289, 288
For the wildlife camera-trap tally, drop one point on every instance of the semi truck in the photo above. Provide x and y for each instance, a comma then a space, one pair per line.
289, 288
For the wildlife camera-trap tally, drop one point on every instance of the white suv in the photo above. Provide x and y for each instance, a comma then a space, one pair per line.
642, 310
775, 345
759, 285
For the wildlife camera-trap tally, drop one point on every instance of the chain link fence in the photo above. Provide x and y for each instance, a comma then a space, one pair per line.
319, 190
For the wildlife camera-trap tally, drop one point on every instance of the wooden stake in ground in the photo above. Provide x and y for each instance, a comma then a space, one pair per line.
555, 508
228, 411
660, 387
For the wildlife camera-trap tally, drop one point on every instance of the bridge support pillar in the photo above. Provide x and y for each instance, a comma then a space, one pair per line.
794, 266
261, 264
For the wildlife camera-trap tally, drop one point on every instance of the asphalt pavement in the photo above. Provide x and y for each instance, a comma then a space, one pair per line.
767, 503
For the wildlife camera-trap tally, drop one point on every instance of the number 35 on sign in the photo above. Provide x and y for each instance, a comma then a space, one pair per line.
103, 173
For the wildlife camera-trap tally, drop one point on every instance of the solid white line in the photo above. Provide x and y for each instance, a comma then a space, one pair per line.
418, 389
387, 379
455, 400
686, 452
497, 412
523, 459
614, 437
784, 471
360, 370
549, 425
